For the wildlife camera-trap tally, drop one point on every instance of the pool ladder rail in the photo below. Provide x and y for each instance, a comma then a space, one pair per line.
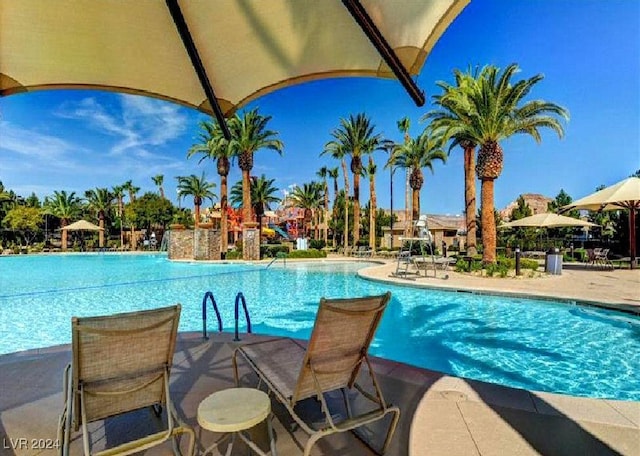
279, 255
240, 299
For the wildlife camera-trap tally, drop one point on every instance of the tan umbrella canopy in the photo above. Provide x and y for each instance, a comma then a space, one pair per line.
547, 220
81, 225
623, 195
184, 50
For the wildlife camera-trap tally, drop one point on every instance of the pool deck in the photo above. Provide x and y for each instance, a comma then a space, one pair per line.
441, 415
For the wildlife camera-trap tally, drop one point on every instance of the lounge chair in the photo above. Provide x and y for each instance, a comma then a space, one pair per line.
121, 363
332, 361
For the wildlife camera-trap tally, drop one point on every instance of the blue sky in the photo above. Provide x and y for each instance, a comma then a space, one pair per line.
588, 50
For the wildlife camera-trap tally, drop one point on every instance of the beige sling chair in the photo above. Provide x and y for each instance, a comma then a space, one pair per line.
121, 363
332, 361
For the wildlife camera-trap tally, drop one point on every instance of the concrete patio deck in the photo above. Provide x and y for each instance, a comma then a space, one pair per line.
441, 415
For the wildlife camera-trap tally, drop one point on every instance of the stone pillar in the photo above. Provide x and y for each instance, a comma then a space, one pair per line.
206, 244
250, 242
180, 245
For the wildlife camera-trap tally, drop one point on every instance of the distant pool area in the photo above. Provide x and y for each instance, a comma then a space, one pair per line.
533, 344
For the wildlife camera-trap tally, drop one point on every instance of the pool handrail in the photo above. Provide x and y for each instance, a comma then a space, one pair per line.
278, 256
209, 295
240, 298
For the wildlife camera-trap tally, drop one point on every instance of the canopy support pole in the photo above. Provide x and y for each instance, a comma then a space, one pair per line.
384, 49
187, 40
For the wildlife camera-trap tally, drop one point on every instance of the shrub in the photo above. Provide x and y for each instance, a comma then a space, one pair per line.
311, 253
317, 244
234, 255
271, 251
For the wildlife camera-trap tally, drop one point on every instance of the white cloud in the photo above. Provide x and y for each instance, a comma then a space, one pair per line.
138, 122
32, 145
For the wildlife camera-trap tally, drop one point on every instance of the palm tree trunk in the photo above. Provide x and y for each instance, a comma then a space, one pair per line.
64, 223
246, 197
326, 213
161, 192
346, 203
120, 214
356, 208
372, 214
416, 204
335, 197
488, 222
470, 199
407, 213
101, 233
224, 244
197, 215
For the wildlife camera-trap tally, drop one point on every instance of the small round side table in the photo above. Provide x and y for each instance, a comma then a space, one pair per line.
233, 411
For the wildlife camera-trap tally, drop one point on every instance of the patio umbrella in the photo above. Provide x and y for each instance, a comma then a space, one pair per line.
623, 195
547, 220
183, 50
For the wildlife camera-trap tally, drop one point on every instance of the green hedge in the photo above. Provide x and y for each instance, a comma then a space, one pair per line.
311, 253
272, 250
501, 267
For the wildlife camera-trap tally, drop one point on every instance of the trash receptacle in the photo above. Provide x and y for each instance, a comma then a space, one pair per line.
553, 262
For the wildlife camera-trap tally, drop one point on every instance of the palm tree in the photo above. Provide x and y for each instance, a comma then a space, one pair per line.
99, 200
414, 155
497, 112
159, 180
131, 189
199, 188
403, 125
118, 194
263, 194
322, 174
338, 151
248, 135
371, 172
212, 145
333, 174
453, 119
308, 197
357, 137
65, 207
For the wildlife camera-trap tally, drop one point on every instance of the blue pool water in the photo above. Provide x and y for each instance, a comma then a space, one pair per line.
538, 345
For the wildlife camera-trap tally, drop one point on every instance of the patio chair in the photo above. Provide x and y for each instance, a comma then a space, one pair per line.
602, 258
332, 361
121, 363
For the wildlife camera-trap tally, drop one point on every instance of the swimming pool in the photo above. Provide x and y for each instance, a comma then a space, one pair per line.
537, 345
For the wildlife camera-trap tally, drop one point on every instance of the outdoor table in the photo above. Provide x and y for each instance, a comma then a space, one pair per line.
233, 411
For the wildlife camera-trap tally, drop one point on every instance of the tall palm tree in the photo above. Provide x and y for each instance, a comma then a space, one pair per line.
65, 206
453, 119
322, 174
118, 194
212, 145
414, 155
404, 125
263, 194
199, 188
131, 189
371, 172
339, 152
159, 180
308, 197
333, 174
497, 112
357, 136
249, 134
100, 201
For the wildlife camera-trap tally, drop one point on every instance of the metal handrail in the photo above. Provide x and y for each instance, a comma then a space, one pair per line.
239, 298
278, 256
209, 295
